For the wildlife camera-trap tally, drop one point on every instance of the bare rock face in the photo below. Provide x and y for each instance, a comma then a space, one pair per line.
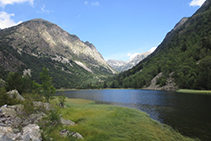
170, 85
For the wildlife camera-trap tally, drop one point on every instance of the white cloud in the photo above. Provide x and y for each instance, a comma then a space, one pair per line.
95, 3
152, 49
197, 2
6, 21
86, 2
44, 10
3, 3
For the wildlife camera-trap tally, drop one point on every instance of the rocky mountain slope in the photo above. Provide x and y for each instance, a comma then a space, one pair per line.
121, 66
36, 43
183, 57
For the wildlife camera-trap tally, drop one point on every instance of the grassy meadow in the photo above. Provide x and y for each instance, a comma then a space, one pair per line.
96, 122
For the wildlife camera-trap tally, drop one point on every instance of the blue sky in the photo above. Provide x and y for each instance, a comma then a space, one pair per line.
117, 28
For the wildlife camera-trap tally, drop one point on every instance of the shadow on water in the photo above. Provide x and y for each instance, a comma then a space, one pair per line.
188, 113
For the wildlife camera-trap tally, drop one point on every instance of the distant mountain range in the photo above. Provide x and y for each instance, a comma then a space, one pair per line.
121, 66
35, 43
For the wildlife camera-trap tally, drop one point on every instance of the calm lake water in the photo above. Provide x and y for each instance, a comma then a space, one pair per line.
190, 114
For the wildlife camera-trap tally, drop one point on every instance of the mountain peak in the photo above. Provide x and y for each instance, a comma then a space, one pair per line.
38, 39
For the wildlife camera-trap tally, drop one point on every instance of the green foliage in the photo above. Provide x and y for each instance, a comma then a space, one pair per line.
161, 81
5, 99
54, 117
46, 87
62, 100
28, 107
16, 82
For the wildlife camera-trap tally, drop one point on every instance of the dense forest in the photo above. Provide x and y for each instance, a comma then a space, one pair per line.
185, 54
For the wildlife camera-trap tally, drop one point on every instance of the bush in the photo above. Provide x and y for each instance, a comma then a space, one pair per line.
5, 99
54, 117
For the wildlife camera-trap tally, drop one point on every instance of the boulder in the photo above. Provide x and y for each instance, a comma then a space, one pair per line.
8, 112
34, 119
9, 115
64, 133
76, 135
39, 104
11, 111
15, 94
66, 122
5, 138
6, 133
18, 108
6, 129
31, 132
17, 121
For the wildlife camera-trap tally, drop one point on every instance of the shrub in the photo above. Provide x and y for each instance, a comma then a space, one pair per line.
5, 99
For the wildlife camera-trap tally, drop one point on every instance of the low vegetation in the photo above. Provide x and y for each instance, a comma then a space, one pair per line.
106, 122
194, 91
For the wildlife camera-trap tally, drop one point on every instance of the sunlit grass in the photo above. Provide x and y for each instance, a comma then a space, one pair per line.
194, 91
105, 122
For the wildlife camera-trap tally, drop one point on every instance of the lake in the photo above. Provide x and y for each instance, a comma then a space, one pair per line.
190, 114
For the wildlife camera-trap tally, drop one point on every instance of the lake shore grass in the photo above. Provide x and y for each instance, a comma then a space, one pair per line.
106, 122
194, 91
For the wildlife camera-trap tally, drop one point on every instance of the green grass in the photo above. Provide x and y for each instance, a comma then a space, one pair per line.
194, 91
111, 123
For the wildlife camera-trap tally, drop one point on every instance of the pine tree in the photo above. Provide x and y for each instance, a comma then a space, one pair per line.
47, 88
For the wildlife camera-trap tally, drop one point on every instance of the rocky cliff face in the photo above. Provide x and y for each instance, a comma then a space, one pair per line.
39, 39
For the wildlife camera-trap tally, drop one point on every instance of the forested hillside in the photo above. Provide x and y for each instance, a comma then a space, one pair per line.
185, 55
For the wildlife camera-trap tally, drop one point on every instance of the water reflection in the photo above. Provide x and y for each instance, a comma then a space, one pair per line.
188, 113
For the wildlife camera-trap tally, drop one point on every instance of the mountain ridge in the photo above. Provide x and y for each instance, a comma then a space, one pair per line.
39, 39
121, 66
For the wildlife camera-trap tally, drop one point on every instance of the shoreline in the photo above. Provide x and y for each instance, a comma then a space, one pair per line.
190, 91
114, 122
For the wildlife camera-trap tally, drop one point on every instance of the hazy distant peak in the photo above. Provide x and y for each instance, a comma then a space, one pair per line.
135, 58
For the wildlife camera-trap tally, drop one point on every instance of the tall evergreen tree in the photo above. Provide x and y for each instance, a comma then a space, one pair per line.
47, 88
